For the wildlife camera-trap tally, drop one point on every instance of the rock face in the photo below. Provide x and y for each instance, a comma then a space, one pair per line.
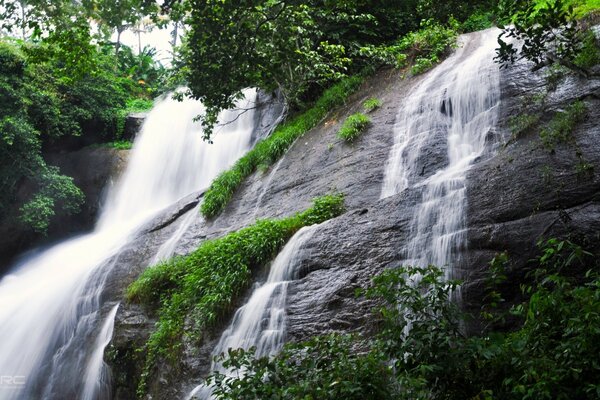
517, 195
92, 170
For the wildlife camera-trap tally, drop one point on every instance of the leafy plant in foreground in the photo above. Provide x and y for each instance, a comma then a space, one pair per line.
423, 351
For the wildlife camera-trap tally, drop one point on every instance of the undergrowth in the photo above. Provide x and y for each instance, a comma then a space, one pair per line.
272, 148
551, 352
204, 285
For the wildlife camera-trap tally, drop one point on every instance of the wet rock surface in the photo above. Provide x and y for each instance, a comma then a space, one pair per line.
516, 195
527, 192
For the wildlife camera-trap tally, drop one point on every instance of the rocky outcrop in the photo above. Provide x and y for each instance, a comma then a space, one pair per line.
527, 192
92, 170
516, 195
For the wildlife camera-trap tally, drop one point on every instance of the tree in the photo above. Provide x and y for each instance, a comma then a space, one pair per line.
547, 34
20, 149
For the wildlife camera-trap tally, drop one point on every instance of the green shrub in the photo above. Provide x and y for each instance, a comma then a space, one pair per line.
353, 126
422, 351
272, 148
425, 48
205, 284
589, 54
522, 123
120, 145
371, 104
132, 106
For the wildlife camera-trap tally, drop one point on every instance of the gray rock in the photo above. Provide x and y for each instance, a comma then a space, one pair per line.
515, 196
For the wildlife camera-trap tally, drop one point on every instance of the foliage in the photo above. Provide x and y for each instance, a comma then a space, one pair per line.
135, 105
324, 368
478, 21
296, 47
549, 34
120, 145
353, 126
206, 283
27, 110
268, 151
424, 48
560, 128
371, 104
423, 352
522, 123
589, 54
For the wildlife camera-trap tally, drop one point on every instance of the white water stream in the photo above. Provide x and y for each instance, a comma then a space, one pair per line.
261, 322
52, 329
455, 105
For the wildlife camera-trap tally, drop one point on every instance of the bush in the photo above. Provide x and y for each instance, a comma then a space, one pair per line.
422, 352
425, 48
353, 126
478, 21
205, 284
268, 151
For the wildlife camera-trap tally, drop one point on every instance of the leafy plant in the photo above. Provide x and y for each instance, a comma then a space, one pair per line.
424, 48
549, 34
423, 352
522, 123
353, 126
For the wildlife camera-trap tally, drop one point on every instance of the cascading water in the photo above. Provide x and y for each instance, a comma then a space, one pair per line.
52, 332
260, 323
456, 106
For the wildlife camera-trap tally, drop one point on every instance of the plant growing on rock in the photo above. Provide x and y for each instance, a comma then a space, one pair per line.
205, 284
371, 104
353, 126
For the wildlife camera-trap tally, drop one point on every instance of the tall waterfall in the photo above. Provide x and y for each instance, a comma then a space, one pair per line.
52, 331
260, 323
454, 107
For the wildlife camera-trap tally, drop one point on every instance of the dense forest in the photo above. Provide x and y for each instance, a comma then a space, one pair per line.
67, 82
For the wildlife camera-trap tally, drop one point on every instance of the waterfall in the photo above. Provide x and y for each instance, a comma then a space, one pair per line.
454, 107
261, 322
52, 333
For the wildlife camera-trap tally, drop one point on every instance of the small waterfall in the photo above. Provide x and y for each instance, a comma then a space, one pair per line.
52, 327
447, 122
261, 322
97, 375
167, 249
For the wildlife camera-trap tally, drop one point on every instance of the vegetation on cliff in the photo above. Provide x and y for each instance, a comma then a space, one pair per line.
423, 350
202, 287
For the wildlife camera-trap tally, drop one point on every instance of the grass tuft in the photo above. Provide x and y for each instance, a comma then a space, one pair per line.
353, 126
371, 104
